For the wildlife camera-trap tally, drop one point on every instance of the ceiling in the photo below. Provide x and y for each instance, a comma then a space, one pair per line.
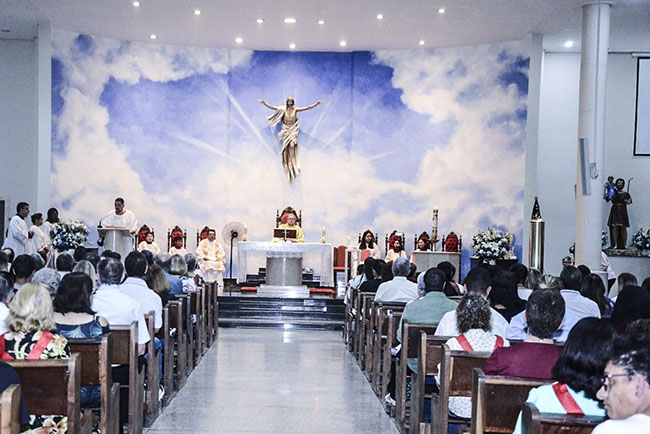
405, 22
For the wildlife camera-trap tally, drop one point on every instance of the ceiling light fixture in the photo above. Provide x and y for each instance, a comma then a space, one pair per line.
321, 22
259, 20
442, 10
239, 40
568, 44
421, 42
289, 20
152, 36
292, 46
380, 16
136, 4
197, 12
343, 43
5, 31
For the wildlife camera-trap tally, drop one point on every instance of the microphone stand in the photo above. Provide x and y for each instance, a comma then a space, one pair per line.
233, 235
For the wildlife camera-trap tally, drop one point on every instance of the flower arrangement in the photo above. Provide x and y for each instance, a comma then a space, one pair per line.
492, 244
641, 239
69, 235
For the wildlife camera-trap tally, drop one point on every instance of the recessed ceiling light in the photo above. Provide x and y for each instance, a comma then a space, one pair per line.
5, 31
239, 40
290, 20
421, 42
152, 36
197, 12
259, 20
136, 4
343, 43
568, 44
442, 10
380, 16
292, 46
321, 22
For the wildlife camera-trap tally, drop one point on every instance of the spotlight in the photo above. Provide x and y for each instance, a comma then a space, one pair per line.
380, 16
197, 12
289, 21
321, 22
259, 20
568, 44
421, 42
239, 40
292, 46
136, 4
343, 43
442, 11
152, 36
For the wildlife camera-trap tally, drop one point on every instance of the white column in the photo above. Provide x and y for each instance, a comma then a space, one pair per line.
43, 117
591, 126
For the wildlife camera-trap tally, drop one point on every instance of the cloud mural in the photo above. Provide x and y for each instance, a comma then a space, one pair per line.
178, 132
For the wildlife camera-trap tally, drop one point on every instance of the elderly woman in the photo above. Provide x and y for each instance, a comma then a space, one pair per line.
577, 372
88, 269
30, 336
473, 316
48, 277
189, 279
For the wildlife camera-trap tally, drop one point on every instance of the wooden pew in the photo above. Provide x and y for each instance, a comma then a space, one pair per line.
204, 320
215, 298
385, 338
168, 334
53, 387
125, 352
186, 318
366, 299
179, 346
456, 369
497, 401
196, 323
10, 410
351, 313
534, 422
151, 401
210, 305
95, 357
375, 334
410, 338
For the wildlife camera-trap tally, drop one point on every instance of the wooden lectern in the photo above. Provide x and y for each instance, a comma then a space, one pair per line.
285, 234
116, 239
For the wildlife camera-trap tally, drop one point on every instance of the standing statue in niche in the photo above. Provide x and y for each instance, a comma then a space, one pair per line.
288, 134
618, 221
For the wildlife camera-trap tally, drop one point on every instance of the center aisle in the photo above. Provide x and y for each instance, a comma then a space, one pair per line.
275, 381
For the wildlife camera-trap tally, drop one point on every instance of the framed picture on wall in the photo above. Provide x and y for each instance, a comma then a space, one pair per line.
642, 122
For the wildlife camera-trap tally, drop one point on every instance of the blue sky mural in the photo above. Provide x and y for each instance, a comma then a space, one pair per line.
179, 133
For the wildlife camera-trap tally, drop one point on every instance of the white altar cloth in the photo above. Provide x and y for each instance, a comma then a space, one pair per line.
276, 249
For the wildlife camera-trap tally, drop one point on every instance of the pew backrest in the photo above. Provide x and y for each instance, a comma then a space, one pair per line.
535, 422
10, 410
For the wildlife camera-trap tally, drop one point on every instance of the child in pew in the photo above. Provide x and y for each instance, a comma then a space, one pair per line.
578, 372
30, 321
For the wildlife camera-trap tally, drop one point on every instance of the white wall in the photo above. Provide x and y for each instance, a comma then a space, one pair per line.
557, 153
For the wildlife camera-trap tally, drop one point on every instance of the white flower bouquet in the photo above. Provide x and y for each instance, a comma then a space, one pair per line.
492, 244
641, 239
69, 235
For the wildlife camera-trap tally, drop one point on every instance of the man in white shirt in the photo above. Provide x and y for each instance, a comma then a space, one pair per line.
19, 237
136, 288
398, 290
112, 304
477, 281
626, 391
121, 218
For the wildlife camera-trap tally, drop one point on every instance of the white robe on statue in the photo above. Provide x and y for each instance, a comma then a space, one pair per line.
126, 220
287, 135
18, 237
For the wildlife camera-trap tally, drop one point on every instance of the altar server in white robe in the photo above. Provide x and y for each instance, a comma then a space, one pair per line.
149, 244
211, 257
40, 240
122, 218
19, 237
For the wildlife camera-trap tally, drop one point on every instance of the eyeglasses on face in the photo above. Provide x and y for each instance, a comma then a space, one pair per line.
605, 380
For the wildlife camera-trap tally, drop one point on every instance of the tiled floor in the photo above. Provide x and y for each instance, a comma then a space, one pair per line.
275, 381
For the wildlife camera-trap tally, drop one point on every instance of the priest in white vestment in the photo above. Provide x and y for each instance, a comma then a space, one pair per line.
122, 218
19, 237
211, 257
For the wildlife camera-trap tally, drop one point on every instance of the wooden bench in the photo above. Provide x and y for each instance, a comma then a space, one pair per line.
456, 369
10, 410
186, 318
178, 348
209, 293
363, 322
410, 339
384, 339
534, 422
53, 387
497, 401
168, 334
196, 323
95, 357
350, 320
125, 352
151, 401
374, 334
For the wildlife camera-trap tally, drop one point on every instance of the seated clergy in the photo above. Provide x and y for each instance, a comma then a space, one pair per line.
149, 244
399, 289
211, 257
291, 224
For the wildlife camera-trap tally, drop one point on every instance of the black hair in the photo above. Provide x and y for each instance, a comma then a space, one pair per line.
190, 261
571, 277
20, 206
93, 258
368, 268
594, 289
120, 200
64, 262
4, 263
179, 238
74, 294
111, 254
8, 277
80, 253
386, 272
35, 217
23, 266
632, 303
519, 273
378, 267
50, 215
625, 279
412, 270
586, 271
149, 256
434, 280
11, 255
473, 312
589, 346
646, 284
135, 264
504, 293
110, 271
544, 312
477, 281
6, 288
363, 244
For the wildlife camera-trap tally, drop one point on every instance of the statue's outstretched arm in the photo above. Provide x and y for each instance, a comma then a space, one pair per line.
302, 109
267, 104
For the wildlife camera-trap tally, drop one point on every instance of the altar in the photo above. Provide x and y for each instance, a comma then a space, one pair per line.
282, 256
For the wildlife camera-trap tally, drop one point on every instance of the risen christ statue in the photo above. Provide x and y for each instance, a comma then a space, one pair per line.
288, 135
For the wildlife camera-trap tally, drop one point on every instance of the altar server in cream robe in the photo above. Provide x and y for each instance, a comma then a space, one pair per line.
211, 257
19, 237
122, 218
